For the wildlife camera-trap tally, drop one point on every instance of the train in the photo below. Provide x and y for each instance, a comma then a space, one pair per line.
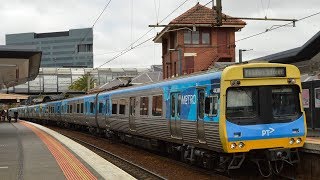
216, 118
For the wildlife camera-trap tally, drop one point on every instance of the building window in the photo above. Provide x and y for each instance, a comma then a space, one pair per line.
187, 37
157, 105
197, 37
144, 104
164, 46
205, 38
85, 48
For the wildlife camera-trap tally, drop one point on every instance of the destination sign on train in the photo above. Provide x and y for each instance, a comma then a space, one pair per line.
264, 72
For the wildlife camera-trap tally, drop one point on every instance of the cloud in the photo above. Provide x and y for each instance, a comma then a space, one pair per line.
113, 30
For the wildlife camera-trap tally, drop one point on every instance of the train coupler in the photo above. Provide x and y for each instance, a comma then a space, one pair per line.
236, 161
289, 155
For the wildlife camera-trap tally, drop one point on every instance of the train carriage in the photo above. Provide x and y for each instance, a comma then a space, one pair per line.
246, 110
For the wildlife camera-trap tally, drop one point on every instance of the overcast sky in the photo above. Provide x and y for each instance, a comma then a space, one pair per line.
124, 21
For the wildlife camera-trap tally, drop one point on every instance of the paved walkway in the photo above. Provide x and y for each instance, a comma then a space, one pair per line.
31, 151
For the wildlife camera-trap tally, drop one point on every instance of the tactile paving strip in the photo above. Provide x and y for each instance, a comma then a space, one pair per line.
69, 164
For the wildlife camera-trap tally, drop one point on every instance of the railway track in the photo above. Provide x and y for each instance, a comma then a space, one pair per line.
140, 172
133, 169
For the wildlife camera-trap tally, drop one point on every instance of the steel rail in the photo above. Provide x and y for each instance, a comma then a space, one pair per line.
152, 174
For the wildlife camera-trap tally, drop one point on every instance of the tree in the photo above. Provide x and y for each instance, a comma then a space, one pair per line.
82, 83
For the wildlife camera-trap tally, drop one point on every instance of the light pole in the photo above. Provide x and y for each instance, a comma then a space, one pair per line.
240, 54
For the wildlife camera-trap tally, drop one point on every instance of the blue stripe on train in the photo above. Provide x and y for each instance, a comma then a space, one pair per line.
265, 131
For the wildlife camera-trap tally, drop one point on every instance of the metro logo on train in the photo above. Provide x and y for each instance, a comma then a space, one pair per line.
188, 99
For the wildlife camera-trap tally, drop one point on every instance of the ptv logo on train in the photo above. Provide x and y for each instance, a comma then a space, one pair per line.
267, 132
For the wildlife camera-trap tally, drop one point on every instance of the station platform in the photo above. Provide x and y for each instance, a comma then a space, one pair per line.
312, 145
31, 151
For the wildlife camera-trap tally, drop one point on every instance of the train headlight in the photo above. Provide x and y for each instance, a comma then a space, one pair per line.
241, 145
291, 81
299, 140
233, 145
235, 83
291, 141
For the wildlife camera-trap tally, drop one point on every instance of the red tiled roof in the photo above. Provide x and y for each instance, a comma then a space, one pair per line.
200, 14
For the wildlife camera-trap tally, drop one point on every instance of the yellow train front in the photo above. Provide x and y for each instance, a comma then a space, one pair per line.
261, 110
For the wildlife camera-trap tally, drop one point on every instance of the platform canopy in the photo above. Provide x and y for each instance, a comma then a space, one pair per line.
18, 64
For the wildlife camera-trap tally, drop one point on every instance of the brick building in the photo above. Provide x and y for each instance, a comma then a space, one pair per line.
191, 42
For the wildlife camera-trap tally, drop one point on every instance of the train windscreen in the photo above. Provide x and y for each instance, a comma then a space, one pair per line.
262, 105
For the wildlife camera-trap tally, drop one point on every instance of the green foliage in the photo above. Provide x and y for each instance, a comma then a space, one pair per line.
81, 83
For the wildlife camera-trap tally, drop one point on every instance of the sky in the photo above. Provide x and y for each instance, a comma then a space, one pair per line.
125, 21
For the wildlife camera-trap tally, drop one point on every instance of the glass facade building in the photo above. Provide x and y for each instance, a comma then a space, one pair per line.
57, 80
73, 48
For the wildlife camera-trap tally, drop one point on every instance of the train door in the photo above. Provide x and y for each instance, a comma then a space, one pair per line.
200, 116
100, 115
108, 113
175, 124
132, 113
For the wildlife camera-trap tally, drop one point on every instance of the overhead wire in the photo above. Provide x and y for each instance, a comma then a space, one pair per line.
248, 37
155, 9
94, 23
131, 21
117, 51
131, 47
268, 8
277, 27
257, 34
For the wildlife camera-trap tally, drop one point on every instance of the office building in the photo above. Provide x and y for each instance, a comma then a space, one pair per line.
73, 48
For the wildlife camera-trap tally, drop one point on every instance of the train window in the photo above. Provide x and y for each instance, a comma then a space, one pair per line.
107, 106
70, 108
201, 104
91, 107
179, 105
157, 105
211, 105
173, 104
78, 108
100, 107
242, 102
81, 106
132, 106
144, 104
285, 102
114, 108
122, 106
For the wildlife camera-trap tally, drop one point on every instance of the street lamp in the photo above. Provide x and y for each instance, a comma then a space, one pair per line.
240, 54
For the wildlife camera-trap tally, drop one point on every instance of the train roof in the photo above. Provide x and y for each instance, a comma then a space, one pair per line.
180, 80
